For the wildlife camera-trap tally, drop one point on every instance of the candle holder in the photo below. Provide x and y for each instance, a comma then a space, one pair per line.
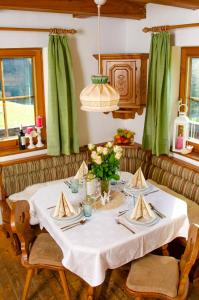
180, 129
30, 136
39, 142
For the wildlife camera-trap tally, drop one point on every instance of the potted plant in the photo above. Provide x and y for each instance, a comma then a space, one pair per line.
124, 136
105, 163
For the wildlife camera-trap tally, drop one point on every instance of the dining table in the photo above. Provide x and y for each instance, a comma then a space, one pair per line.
102, 242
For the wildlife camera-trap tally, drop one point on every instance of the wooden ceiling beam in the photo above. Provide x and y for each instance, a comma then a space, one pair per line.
113, 8
191, 4
129, 9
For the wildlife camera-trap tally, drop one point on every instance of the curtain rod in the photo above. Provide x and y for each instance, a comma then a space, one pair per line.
50, 30
169, 27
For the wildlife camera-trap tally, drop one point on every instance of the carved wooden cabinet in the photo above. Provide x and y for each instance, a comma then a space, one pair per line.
128, 75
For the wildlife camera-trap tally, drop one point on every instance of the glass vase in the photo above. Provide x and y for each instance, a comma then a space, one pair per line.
104, 186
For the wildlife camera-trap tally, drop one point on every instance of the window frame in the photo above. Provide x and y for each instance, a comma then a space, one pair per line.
186, 53
38, 84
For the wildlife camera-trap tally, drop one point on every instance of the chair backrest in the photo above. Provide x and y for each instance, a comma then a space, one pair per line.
189, 257
20, 223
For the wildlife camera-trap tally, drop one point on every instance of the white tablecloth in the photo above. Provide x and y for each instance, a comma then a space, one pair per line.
101, 244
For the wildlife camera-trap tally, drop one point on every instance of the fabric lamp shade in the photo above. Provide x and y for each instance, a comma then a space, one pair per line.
99, 96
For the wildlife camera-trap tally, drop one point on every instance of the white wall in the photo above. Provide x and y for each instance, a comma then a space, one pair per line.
138, 41
117, 36
93, 127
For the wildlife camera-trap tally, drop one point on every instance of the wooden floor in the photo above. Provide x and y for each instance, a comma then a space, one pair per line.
45, 284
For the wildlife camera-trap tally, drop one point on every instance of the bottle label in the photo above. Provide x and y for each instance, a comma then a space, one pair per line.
23, 140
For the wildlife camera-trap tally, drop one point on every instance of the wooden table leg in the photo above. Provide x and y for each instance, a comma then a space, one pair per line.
98, 291
93, 293
90, 293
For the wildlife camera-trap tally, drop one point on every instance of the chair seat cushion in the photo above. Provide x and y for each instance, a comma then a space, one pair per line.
192, 207
45, 251
153, 273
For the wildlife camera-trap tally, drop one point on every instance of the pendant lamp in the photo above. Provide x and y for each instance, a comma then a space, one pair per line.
99, 96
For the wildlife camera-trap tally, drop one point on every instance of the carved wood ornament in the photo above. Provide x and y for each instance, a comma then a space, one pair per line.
128, 75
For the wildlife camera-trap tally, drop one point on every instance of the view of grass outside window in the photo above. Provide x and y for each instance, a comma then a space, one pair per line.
21, 94
16, 95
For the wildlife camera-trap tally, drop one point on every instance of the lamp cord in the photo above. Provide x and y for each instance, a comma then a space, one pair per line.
99, 45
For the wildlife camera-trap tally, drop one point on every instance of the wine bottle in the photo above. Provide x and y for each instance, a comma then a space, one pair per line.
22, 139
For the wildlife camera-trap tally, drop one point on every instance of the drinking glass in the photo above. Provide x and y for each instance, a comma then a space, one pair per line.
74, 185
87, 210
131, 201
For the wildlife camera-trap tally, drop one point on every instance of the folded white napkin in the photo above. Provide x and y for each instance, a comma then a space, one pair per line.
83, 170
138, 180
63, 208
142, 210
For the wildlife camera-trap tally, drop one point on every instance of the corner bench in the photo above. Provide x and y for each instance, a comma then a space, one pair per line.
182, 181
15, 176
177, 179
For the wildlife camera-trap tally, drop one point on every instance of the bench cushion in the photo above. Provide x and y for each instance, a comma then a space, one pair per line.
192, 207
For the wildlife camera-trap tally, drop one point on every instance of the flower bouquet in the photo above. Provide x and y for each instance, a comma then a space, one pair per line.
105, 163
124, 136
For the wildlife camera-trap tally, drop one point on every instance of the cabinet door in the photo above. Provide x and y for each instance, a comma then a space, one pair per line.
123, 77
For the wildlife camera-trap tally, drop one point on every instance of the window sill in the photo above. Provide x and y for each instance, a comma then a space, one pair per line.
191, 158
15, 154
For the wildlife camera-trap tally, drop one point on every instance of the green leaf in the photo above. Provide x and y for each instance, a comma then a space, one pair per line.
116, 177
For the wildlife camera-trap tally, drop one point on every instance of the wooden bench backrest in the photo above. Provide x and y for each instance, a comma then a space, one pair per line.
175, 175
16, 177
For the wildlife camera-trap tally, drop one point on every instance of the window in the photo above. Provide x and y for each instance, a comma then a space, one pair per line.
189, 89
21, 92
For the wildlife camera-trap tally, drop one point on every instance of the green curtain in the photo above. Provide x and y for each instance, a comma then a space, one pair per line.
156, 135
62, 132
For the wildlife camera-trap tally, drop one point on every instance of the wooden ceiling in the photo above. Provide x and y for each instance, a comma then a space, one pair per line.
191, 4
129, 9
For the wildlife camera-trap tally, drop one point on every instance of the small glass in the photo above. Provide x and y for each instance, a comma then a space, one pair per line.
87, 206
87, 210
131, 201
74, 185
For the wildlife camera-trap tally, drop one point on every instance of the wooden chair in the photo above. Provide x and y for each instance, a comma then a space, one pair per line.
164, 277
38, 252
